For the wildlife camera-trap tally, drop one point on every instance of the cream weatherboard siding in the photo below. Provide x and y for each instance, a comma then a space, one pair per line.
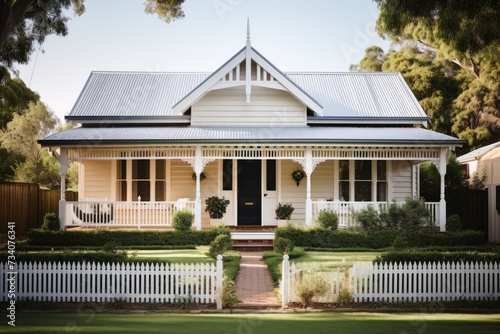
98, 180
267, 108
400, 179
291, 193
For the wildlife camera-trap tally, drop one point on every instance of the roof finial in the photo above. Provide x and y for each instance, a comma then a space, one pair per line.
248, 30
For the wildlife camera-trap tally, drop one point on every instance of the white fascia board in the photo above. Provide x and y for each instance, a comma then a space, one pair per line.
287, 83
203, 88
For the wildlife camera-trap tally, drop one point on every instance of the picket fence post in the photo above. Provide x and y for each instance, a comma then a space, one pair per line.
218, 280
285, 281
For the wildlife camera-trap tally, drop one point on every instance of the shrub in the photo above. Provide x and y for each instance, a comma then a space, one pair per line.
284, 211
283, 245
453, 223
51, 222
328, 220
228, 295
410, 216
182, 220
308, 286
369, 218
220, 245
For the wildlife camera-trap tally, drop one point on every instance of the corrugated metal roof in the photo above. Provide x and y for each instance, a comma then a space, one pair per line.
122, 94
478, 153
360, 94
125, 94
190, 134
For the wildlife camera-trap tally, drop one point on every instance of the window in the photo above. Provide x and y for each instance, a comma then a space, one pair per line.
160, 181
368, 180
141, 183
121, 180
270, 175
227, 174
381, 181
344, 180
142, 176
363, 181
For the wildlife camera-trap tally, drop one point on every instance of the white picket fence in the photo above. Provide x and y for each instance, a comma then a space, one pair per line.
417, 282
288, 294
405, 282
100, 282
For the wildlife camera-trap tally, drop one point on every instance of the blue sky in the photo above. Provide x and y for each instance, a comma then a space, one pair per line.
116, 35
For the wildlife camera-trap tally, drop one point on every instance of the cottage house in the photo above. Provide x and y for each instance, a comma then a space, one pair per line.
484, 163
151, 143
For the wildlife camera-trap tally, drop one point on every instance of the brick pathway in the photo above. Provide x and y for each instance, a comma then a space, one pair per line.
253, 284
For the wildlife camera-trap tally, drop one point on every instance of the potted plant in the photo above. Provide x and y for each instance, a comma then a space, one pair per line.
283, 213
216, 208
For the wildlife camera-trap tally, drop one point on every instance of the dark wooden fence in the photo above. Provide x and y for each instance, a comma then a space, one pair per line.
26, 204
472, 207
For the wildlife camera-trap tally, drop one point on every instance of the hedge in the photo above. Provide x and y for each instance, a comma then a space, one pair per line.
337, 239
417, 257
422, 239
320, 238
122, 238
96, 257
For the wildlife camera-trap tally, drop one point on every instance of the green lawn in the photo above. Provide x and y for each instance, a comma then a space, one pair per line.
328, 261
352, 323
198, 255
174, 255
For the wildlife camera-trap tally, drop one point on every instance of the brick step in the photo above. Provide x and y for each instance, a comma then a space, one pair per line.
249, 245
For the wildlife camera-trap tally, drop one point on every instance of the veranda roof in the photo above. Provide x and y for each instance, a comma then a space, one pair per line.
250, 135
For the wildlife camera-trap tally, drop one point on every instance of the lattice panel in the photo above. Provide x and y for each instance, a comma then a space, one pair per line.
149, 153
366, 153
254, 152
277, 152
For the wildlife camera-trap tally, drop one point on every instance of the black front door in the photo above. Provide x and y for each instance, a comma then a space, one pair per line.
249, 192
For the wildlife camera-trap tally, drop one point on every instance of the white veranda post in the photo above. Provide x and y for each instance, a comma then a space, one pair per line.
63, 168
198, 168
442, 202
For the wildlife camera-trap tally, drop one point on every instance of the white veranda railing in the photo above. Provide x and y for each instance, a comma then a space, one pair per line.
129, 214
345, 210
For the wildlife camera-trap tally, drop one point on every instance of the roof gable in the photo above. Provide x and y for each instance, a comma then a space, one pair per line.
247, 68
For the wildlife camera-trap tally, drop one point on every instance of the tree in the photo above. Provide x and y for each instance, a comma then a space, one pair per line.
434, 84
14, 97
20, 137
462, 33
26, 23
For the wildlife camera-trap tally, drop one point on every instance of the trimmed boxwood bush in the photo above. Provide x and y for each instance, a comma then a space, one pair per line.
122, 238
182, 220
408, 256
328, 220
50, 222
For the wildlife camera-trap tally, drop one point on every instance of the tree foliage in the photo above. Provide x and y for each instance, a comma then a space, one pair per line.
20, 138
449, 53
